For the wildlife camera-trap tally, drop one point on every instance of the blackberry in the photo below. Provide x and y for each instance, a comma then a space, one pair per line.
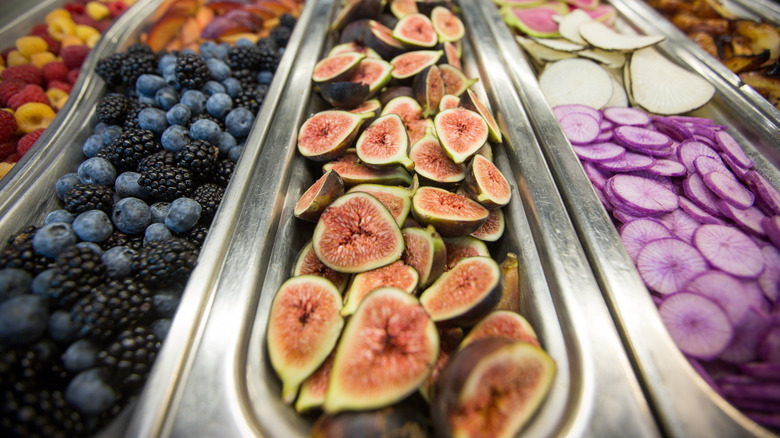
247, 78
267, 44
112, 109
31, 410
127, 150
199, 157
39, 361
249, 99
131, 120
166, 183
269, 57
112, 307
191, 71
118, 238
79, 271
165, 261
206, 116
83, 197
224, 171
288, 21
140, 48
130, 357
208, 196
20, 254
156, 161
281, 35
243, 57
197, 234
135, 64
110, 69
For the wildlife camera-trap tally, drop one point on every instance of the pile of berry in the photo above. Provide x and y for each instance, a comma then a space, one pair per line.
86, 299
37, 74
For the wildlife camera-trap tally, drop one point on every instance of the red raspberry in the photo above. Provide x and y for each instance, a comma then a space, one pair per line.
103, 25
29, 74
116, 8
8, 147
85, 20
74, 8
54, 45
5, 53
26, 142
9, 88
73, 56
30, 93
7, 125
13, 158
62, 85
55, 71
73, 75
40, 29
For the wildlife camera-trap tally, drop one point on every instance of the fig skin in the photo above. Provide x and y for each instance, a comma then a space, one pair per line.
470, 101
397, 199
354, 32
493, 228
331, 186
429, 157
447, 226
384, 143
406, 419
336, 75
429, 89
379, 38
345, 94
416, 22
449, 341
430, 271
393, 92
502, 324
355, 10
354, 172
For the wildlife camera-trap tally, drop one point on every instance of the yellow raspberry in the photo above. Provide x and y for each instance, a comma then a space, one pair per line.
41, 59
84, 32
5, 167
57, 97
59, 28
31, 45
98, 11
2, 61
16, 58
9, 111
57, 13
32, 116
92, 41
71, 40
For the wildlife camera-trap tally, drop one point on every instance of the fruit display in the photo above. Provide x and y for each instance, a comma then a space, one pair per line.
88, 295
39, 71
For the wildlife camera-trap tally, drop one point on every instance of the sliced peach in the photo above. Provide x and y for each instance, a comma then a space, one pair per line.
276, 6
204, 17
190, 32
224, 6
260, 11
165, 30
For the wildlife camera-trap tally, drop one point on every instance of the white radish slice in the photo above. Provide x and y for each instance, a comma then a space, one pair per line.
596, 176
542, 54
667, 265
743, 347
644, 194
576, 81
729, 250
697, 191
601, 36
724, 290
698, 326
564, 110
749, 219
738, 170
690, 150
770, 278
771, 228
626, 116
641, 139
605, 58
560, 44
764, 191
638, 233
619, 97
599, 152
731, 148
667, 168
729, 189
662, 87
697, 213
569, 26
580, 128
681, 224
629, 162
705, 165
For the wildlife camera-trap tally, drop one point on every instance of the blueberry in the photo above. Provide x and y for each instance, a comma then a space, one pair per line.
52, 239
239, 122
212, 87
62, 328
92, 145
99, 128
80, 355
225, 141
187, 52
147, 85
131, 215
170, 78
244, 42
165, 61
159, 210
175, 138
111, 133
265, 77
156, 231
92, 226
205, 130
89, 393
97, 170
219, 105
218, 70
233, 87
126, 185
179, 114
166, 98
209, 50
94, 247
14, 282
22, 319
42, 282
281, 51
161, 327
64, 183
235, 153
195, 101
184, 213
152, 119
165, 305
58, 216
147, 100
118, 261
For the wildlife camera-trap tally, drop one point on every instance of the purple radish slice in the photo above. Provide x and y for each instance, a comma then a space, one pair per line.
705, 165
681, 224
580, 128
673, 129
769, 280
604, 136
691, 119
607, 205
630, 212
755, 296
763, 190
708, 141
736, 168
597, 177
729, 189
699, 327
624, 217
730, 147
717, 369
640, 138
704, 374
690, 150
748, 219
763, 370
729, 250
747, 334
736, 379
661, 153
561, 111
638, 233
667, 168
724, 290
756, 391
752, 407
644, 194
697, 213
626, 116
667, 265
697, 191
629, 162
599, 152
606, 125
767, 420
663, 180
771, 227
769, 347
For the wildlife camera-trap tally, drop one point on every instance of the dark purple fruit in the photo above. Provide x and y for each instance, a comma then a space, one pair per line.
380, 38
461, 132
384, 143
429, 89
344, 95
426, 6
425, 252
396, 274
486, 184
451, 214
449, 341
337, 67
317, 197
355, 10
415, 30
327, 134
353, 32
374, 73
404, 419
393, 92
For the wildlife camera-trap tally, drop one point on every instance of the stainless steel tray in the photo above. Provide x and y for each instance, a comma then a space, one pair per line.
231, 390
684, 404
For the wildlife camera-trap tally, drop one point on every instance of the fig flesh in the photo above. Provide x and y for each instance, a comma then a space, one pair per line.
502, 324
401, 8
374, 73
451, 214
387, 350
337, 67
407, 65
402, 420
452, 55
447, 26
410, 112
461, 247
448, 101
486, 184
425, 252
470, 101
392, 92
455, 82
510, 296
384, 143
397, 200
490, 388
303, 327
356, 233
464, 294
461, 132
493, 228
433, 164
353, 172
353, 47
415, 30
344, 95
396, 274
429, 89
370, 106
317, 197
380, 38
327, 134
308, 264
449, 341
314, 388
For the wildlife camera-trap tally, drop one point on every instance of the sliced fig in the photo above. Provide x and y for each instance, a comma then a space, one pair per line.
314, 388
464, 294
353, 172
354, 47
470, 101
374, 73
432, 163
426, 6
317, 197
327, 134
337, 67
510, 296
429, 89
491, 388
461, 132
486, 184
425, 252
380, 38
486, 151
449, 341
384, 143
502, 324
355, 10
447, 25
344, 95
401, 8
408, 64
391, 93
415, 30
398, 200
461, 247
396, 274
354, 32
303, 327
448, 101
452, 56
356, 233
308, 264
411, 113
455, 82
493, 228
405, 419
370, 106
387, 350
451, 214
388, 20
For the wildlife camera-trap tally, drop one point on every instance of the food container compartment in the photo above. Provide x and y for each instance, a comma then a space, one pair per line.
230, 388
684, 404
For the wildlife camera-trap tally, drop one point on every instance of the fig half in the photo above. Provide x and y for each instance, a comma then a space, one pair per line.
461, 132
303, 327
327, 134
308, 264
493, 228
429, 89
415, 30
384, 143
433, 164
486, 184
449, 340
314, 388
353, 172
470, 101
459, 248
451, 214
397, 199
408, 64
317, 197
425, 252
502, 324
455, 82
447, 26
402, 420
337, 67
448, 101
344, 95
491, 388
356, 233
374, 73
410, 112
386, 352
396, 274
380, 38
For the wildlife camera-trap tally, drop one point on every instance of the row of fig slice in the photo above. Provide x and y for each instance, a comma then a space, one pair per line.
397, 280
